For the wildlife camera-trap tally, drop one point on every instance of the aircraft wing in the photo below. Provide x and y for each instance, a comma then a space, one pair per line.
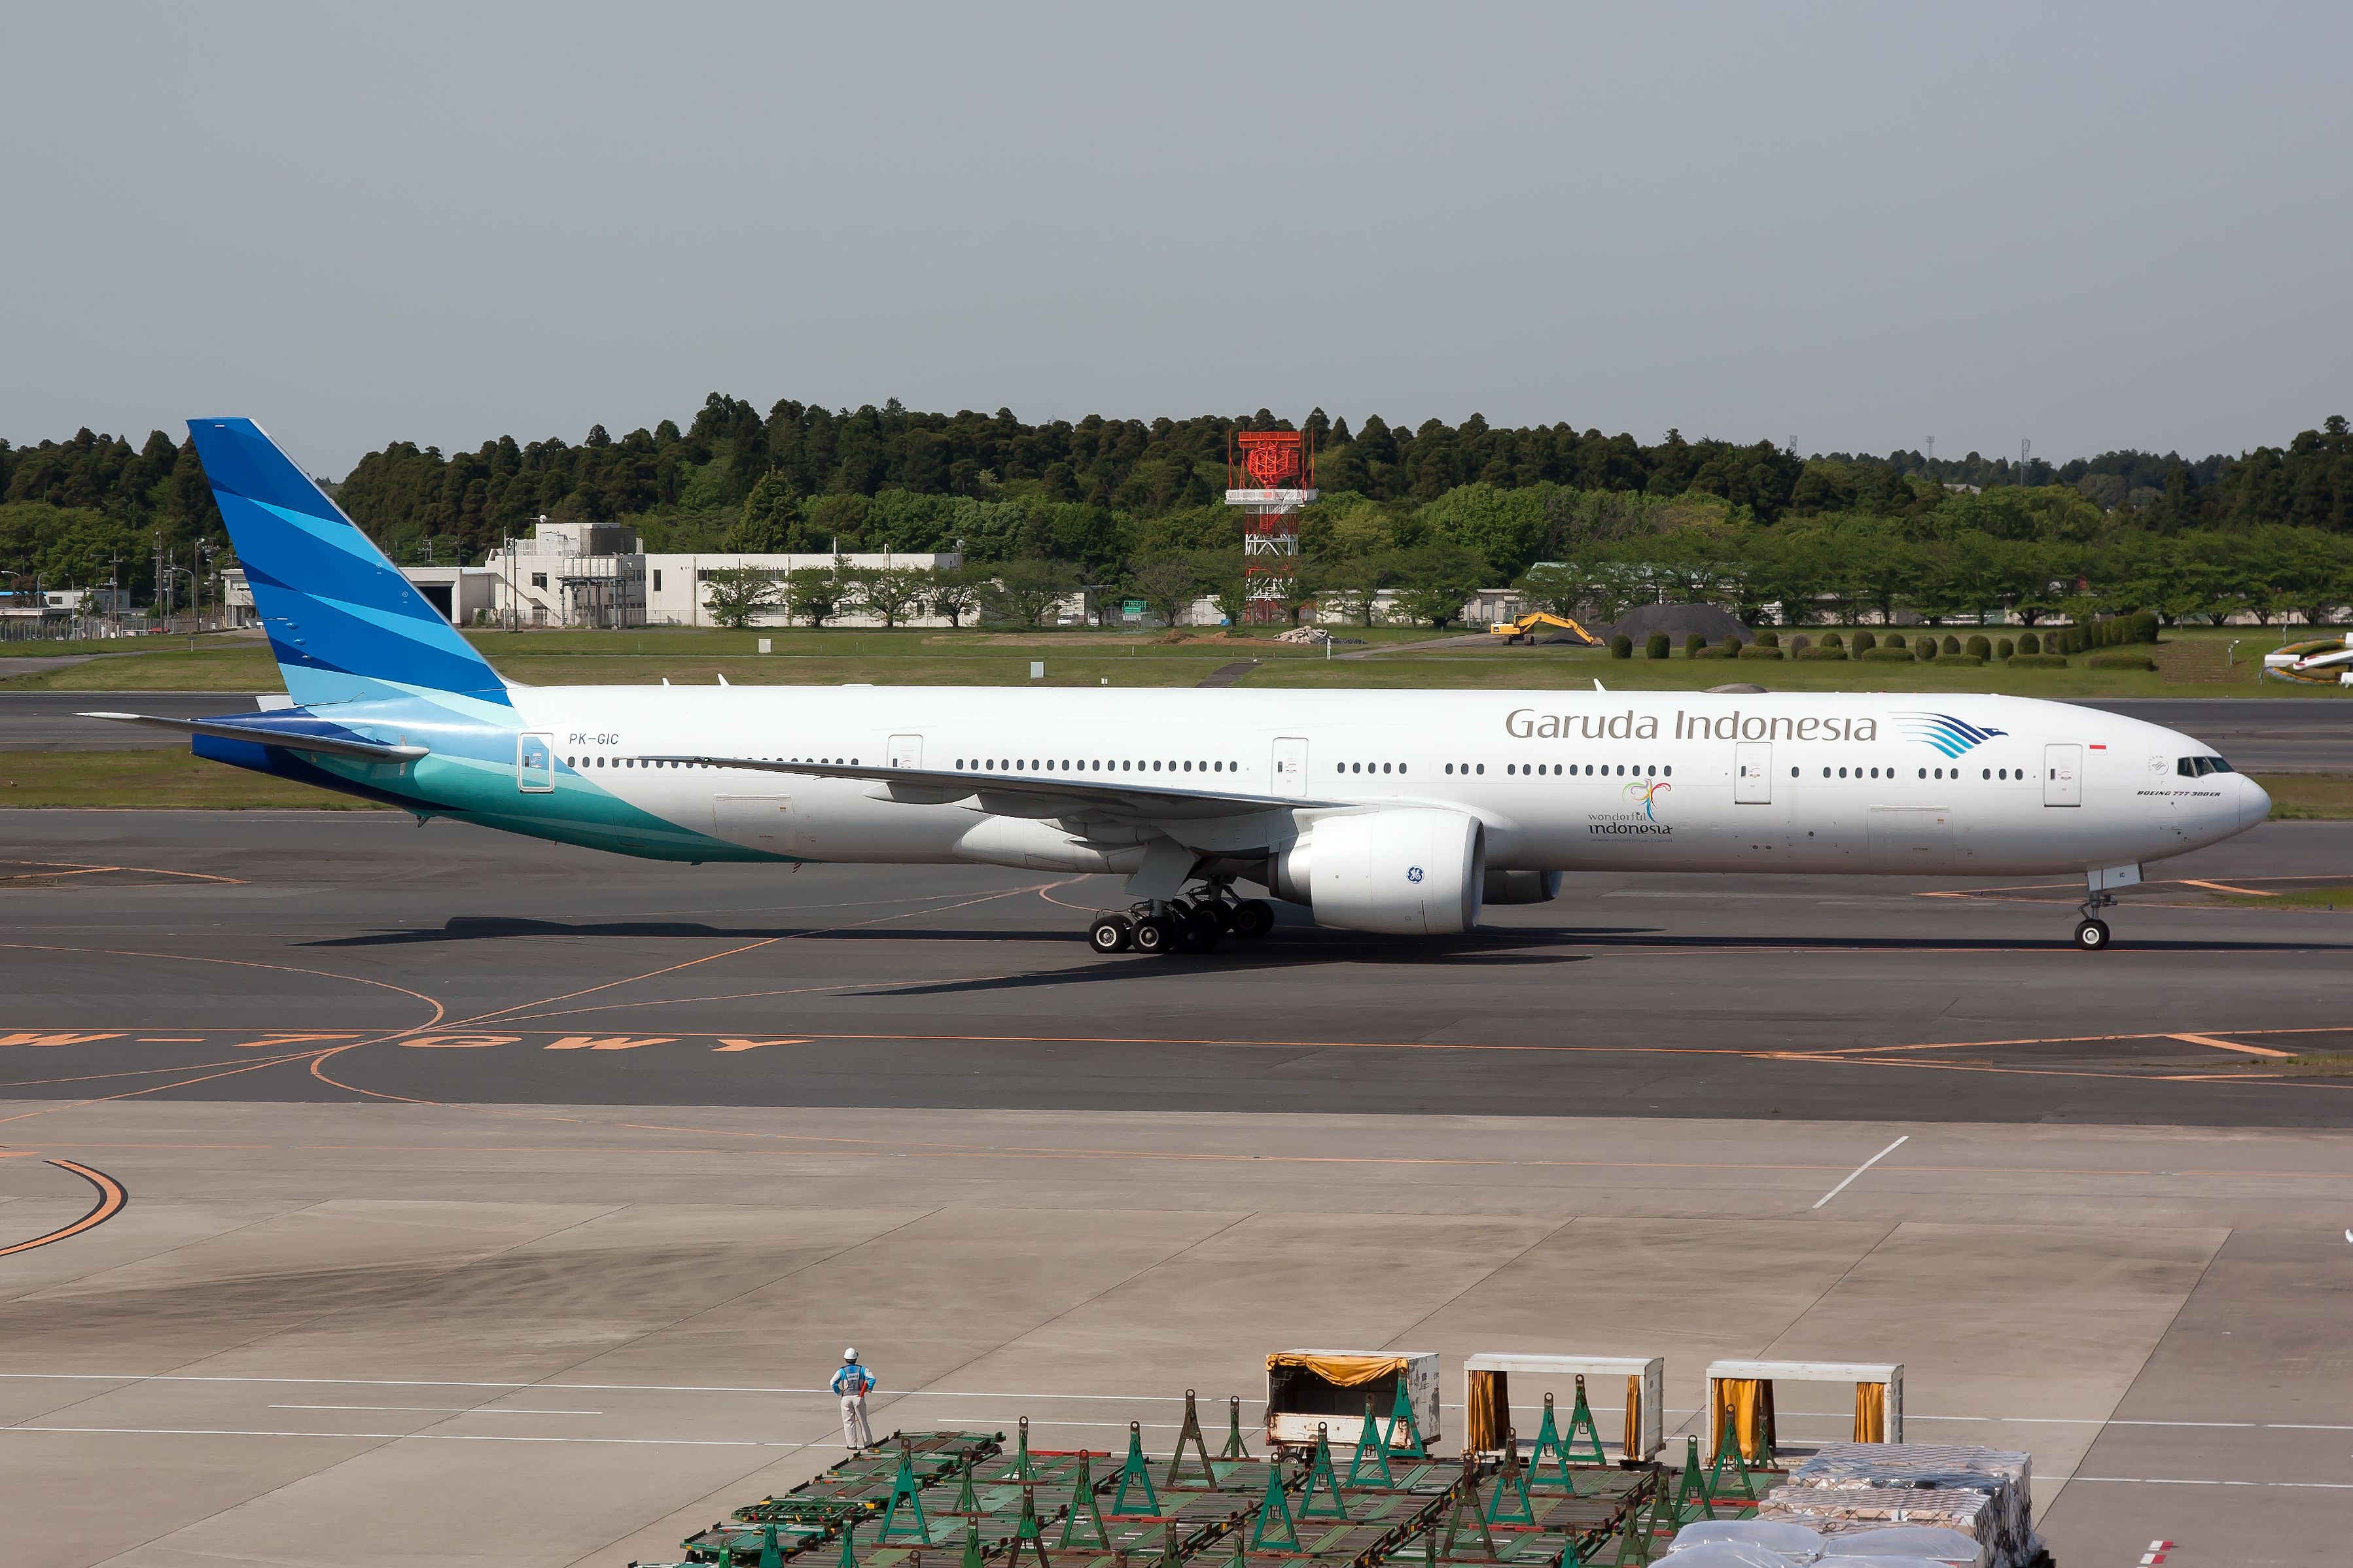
316, 735
1022, 795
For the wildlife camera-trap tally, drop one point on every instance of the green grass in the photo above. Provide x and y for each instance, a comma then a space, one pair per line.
2308, 797
2336, 897
2192, 662
166, 779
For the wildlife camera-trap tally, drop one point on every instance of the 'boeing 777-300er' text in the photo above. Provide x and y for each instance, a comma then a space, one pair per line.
1383, 811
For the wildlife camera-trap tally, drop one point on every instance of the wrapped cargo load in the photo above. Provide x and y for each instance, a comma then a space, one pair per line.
1921, 1543
1836, 1510
1727, 1554
1983, 1494
1795, 1542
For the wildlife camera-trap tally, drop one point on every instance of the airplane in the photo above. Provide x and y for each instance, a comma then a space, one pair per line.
1383, 811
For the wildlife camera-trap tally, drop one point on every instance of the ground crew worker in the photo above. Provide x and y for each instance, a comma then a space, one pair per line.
853, 1383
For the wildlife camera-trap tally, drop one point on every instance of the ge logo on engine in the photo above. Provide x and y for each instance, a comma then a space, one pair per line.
1413, 873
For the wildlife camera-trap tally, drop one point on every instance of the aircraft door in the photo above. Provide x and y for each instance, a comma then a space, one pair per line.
907, 751
2063, 775
1752, 773
535, 763
1289, 769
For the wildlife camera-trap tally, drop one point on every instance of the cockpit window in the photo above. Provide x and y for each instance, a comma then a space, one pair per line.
2198, 767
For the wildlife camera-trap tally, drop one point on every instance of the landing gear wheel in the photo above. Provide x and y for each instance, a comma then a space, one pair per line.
2091, 936
1150, 934
1110, 933
1197, 929
1253, 918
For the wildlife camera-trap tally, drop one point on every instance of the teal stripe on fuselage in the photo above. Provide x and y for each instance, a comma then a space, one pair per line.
482, 789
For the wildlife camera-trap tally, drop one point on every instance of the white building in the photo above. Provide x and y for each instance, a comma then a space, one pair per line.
594, 574
568, 574
677, 587
466, 596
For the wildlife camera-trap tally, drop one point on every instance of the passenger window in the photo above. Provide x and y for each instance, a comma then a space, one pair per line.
1482, 767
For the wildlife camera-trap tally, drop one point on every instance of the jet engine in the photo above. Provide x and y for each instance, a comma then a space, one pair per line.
1522, 886
1406, 871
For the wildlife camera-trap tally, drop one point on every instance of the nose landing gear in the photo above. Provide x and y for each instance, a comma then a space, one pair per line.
1196, 921
2092, 932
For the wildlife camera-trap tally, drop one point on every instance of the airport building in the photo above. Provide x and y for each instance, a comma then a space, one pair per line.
594, 574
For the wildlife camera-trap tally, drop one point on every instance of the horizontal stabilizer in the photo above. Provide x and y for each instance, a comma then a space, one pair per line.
331, 740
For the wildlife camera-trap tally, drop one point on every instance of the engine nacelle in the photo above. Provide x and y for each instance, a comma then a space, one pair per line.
1522, 886
1407, 871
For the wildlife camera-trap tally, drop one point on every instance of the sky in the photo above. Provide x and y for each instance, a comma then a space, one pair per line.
1852, 226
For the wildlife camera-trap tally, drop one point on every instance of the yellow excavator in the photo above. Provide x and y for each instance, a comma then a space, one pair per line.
1526, 628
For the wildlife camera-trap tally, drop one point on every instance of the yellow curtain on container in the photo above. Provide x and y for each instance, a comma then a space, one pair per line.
1750, 1400
1871, 1413
1490, 1413
1340, 1371
1634, 1418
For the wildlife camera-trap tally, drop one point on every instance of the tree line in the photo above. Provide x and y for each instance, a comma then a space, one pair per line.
1413, 512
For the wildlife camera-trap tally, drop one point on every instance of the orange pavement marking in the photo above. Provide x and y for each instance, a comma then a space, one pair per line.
2226, 888
2229, 1045
110, 1199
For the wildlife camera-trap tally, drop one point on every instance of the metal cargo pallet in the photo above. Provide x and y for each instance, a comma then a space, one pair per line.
1589, 1519
745, 1545
1198, 1517
1418, 1478
1246, 1476
1322, 1543
1399, 1511
975, 1446
1521, 1548
823, 1513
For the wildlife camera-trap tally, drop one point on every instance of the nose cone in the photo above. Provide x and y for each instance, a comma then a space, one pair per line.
2254, 805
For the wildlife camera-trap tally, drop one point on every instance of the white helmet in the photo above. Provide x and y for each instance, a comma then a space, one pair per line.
850, 1354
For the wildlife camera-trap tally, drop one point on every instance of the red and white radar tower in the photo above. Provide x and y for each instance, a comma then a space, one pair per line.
1269, 474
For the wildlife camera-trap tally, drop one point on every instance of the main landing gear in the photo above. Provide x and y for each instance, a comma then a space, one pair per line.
1191, 922
2092, 932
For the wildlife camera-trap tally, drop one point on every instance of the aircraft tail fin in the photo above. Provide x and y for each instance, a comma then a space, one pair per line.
344, 624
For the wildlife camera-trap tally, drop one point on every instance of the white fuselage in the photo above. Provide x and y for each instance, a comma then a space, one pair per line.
1560, 780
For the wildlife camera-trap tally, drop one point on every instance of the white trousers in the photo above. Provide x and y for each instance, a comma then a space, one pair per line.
855, 1433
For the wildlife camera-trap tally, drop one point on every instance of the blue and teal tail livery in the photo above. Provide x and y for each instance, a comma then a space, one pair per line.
346, 626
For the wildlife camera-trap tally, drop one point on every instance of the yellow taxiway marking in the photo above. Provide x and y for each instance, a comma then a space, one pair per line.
2229, 1045
2226, 888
